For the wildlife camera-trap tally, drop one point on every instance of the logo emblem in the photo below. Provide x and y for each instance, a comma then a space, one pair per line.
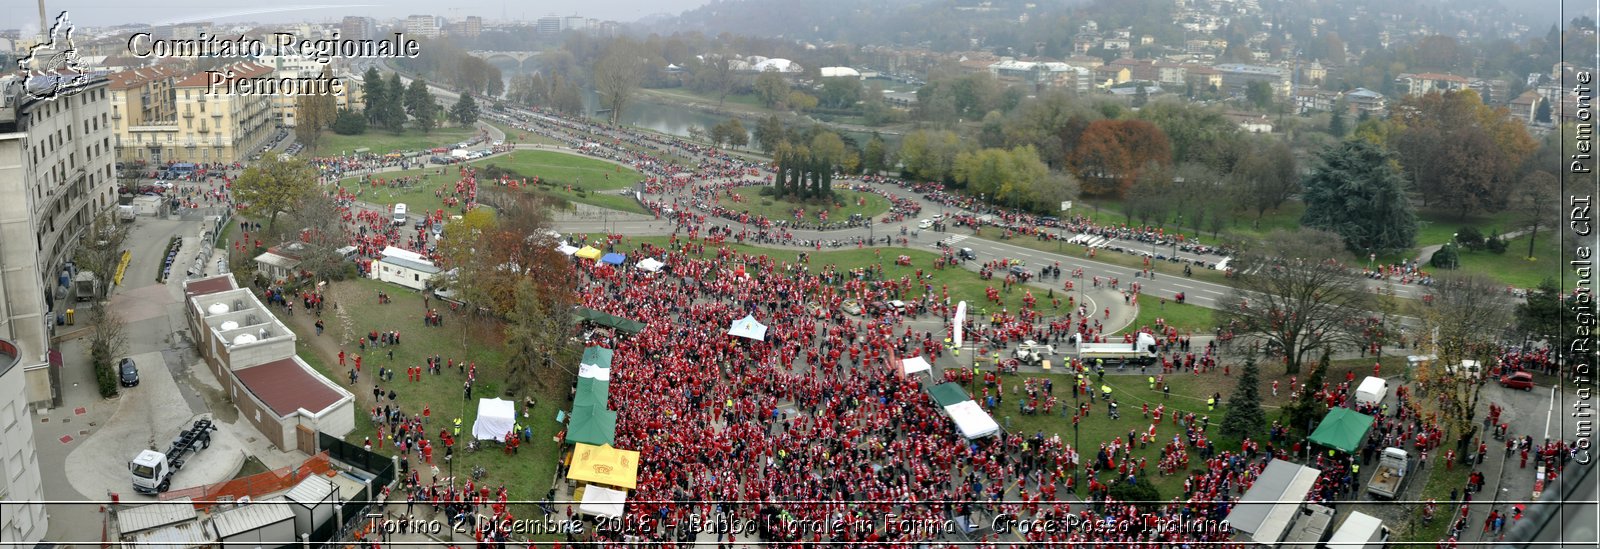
52, 66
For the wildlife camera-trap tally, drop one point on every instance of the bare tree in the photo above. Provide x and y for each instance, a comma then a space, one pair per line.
617, 76
320, 235
101, 253
1292, 294
1463, 318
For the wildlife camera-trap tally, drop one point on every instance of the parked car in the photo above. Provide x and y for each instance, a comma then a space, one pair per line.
1517, 380
851, 306
128, 373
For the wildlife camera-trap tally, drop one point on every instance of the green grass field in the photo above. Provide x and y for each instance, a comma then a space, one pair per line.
528, 473
599, 180
1513, 267
845, 203
384, 141
1185, 317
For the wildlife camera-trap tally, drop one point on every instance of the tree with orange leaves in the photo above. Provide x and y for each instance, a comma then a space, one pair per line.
1111, 154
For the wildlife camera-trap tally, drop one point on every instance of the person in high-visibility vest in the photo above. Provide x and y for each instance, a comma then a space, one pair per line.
457, 430
1211, 404
1152, 382
1106, 389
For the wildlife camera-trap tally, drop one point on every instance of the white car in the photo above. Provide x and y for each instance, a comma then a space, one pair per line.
925, 224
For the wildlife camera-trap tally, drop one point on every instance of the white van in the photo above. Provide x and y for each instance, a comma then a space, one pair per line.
400, 214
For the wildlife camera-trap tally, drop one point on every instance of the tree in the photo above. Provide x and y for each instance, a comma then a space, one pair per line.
931, 154
716, 75
102, 252
1244, 417
1111, 153
1356, 192
465, 111
874, 156
1537, 204
535, 333
1459, 152
349, 123
769, 133
108, 339
800, 101
1258, 93
320, 222
1540, 317
1290, 293
1541, 113
273, 186
771, 88
430, 114
1308, 408
373, 90
391, 111
417, 98
1141, 96
1469, 314
617, 76
1336, 126
313, 113
736, 134
839, 92
1266, 177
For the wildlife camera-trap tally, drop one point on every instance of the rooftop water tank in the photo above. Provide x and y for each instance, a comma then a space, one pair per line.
218, 308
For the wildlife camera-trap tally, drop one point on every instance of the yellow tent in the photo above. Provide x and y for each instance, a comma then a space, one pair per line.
604, 465
588, 252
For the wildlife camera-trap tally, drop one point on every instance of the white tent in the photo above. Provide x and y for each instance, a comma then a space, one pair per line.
971, 420
916, 364
594, 371
602, 502
495, 418
748, 328
567, 249
650, 265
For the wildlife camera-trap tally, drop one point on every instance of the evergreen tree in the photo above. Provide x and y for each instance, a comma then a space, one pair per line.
349, 123
1244, 417
374, 91
393, 115
1308, 409
417, 98
1336, 123
465, 111
1541, 114
1356, 192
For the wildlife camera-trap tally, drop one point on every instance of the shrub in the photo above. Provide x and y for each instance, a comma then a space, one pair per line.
1139, 490
766, 202
1470, 238
105, 374
1496, 244
1446, 257
767, 190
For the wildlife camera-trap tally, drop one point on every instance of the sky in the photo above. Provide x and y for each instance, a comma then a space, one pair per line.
105, 12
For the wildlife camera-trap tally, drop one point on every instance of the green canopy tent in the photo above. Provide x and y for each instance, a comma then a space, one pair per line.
1342, 429
606, 319
591, 391
947, 394
592, 425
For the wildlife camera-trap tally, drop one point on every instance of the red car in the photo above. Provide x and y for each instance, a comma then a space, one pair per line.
1518, 380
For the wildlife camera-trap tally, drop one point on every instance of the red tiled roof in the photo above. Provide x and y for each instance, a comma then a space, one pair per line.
134, 78
240, 70
286, 387
207, 286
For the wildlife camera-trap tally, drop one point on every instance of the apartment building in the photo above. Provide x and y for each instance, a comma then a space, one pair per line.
141, 98
208, 125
